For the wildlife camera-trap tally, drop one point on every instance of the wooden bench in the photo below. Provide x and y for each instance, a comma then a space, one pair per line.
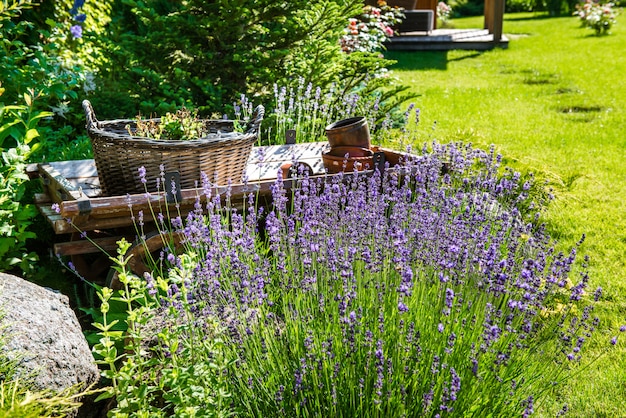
419, 20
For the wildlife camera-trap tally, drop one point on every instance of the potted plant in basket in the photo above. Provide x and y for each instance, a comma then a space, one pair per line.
179, 142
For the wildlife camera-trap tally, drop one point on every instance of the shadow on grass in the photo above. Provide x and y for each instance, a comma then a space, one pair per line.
418, 60
538, 16
426, 60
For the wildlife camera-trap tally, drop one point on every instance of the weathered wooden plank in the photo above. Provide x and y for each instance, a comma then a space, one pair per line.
57, 186
291, 152
75, 169
85, 246
81, 174
41, 198
125, 206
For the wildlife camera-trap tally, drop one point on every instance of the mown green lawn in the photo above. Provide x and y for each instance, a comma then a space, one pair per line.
553, 103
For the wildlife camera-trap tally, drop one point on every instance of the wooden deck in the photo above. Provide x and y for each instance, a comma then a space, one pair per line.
445, 39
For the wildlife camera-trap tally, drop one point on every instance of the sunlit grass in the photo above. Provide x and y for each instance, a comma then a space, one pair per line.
553, 103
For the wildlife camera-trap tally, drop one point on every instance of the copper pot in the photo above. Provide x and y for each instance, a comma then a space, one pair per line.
352, 132
348, 159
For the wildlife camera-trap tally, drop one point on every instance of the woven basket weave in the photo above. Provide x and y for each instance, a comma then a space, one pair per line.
222, 155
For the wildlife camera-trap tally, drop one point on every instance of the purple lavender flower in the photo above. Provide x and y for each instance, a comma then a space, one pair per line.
352, 316
142, 174
597, 294
530, 407
455, 384
76, 31
449, 297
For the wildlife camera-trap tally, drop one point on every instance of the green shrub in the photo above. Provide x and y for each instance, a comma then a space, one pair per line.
469, 7
18, 139
185, 377
38, 56
163, 55
516, 6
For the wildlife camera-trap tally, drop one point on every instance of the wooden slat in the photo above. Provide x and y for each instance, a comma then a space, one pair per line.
81, 174
92, 213
92, 246
57, 186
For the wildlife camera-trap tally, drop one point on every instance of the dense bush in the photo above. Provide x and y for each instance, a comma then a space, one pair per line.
468, 7
162, 55
39, 54
554, 7
33, 80
18, 139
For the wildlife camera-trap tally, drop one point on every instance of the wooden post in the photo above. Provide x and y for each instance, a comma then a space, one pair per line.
429, 4
494, 17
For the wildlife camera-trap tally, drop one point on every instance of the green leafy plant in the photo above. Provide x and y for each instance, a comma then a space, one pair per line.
171, 365
18, 140
184, 124
38, 56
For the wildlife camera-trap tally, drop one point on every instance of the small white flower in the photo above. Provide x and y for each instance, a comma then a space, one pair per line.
61, 109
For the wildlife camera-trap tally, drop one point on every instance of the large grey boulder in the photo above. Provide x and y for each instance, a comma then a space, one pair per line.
41, 330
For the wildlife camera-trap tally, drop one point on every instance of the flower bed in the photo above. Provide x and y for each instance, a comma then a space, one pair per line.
430, 293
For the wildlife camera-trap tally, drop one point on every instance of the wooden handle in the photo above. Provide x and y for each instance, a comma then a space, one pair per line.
92, 122
255, 121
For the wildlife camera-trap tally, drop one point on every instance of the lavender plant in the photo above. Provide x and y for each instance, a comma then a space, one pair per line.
309, 110
421, 292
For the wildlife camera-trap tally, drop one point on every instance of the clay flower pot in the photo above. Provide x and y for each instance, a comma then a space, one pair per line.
348, 159
351, 132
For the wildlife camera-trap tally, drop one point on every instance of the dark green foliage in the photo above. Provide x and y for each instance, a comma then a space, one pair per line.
37, 57
163, 55
516, 6
469, 7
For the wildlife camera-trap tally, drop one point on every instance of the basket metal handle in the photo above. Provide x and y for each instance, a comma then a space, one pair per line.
255, 121
92, 122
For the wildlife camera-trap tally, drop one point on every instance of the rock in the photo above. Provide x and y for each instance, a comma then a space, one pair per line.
41, 330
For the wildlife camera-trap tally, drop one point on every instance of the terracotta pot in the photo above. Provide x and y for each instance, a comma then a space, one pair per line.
348, 159
350, 152
352, 132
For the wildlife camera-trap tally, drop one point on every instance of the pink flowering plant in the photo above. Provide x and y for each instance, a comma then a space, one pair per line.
597, 16
369, 31
443, 12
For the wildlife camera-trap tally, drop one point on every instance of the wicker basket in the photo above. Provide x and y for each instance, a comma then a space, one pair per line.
222, 155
